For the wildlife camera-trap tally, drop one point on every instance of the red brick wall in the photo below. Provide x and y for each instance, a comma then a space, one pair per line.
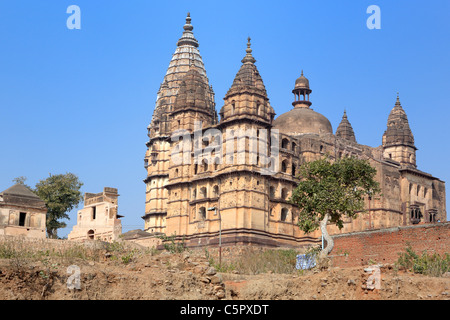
384, 245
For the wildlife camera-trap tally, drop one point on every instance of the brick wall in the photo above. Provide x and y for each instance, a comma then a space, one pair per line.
384, 245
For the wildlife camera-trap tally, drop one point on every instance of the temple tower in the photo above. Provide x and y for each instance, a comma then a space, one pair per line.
345, 130
186, 57
398, 140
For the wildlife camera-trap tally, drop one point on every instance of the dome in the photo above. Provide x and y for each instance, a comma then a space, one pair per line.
302, 121
302, 82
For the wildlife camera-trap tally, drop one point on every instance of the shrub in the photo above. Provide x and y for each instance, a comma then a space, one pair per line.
427, 264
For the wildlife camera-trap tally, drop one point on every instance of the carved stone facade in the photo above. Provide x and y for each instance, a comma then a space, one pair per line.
99, 219
231, 193
22, 213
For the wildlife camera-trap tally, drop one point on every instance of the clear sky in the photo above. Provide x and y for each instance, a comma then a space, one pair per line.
80, 100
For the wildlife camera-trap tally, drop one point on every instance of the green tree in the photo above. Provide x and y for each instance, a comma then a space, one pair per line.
20, 180
329, 191
61, 193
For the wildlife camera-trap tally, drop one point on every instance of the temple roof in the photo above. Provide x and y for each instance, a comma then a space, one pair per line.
20, 195
345, 130
248, 76
185, 58
398, 131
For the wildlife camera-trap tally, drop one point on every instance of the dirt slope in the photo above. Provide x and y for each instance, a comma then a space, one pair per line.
189, 276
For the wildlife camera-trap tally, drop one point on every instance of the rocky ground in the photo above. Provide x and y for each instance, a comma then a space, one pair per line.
189, 276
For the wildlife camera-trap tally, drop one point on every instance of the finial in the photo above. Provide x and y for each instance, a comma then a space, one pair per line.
398, 100
302, 72
248, 57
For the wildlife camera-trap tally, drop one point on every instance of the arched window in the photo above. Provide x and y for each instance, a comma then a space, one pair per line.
293, 169
284, 166
233, 107
204, 165
194, 194
272, 192
195, 168
90, 234
284, 193
215, 191
285, 143
202, 213
284, 214
294, 146
203, 192
176, 172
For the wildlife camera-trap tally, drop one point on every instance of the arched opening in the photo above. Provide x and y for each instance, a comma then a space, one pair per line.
284, 166
285, 143
272, 192
204, 165
215, 191
90, 234
203, 192
284, 193
202, 213
293, 170
415, 215
294, 146
176, 172
284, 214
194, 194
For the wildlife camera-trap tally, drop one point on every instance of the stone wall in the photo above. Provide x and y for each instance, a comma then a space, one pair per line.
384, 245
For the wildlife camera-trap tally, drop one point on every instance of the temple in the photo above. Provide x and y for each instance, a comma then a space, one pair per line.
224, 184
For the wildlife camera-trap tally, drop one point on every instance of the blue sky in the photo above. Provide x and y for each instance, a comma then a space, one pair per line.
80, 100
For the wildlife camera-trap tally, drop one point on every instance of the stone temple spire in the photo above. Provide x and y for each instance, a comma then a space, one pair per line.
398, 140
398, 131
247, 96
345, 130
186, 57
248, 75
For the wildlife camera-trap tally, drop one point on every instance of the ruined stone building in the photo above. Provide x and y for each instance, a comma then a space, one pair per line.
22, 213
99, 219
232, 193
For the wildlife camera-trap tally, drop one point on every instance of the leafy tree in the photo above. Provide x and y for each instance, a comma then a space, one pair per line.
20, 180
61, 193
329, 191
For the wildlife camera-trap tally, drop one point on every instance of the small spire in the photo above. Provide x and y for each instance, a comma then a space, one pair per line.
302, 72
188, 36
397, 103
345, 114
248, 57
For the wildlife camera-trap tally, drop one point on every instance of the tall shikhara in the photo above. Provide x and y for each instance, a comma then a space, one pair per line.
186, 57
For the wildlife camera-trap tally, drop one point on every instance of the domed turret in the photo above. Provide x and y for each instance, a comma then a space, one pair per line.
302, 119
